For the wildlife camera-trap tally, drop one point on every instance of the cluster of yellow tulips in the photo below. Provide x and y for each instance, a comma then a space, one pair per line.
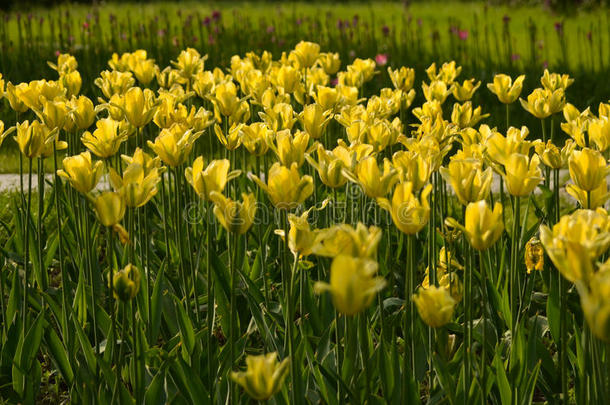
386, 210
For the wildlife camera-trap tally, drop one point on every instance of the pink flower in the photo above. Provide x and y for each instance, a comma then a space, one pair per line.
386, 30
515, 57
463, 35
381, 59
334, 82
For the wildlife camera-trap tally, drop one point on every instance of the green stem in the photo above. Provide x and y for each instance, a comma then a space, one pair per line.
210, 301
364, 347
26, 256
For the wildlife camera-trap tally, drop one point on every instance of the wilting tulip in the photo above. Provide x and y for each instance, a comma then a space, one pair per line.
375, 183
353, 284
110, 207
482, 226
347, 240
263, 377
534, 255
588, 169
435, 306
214, 177
235, 216
173, 145
285, 186
469, 182
409, 213
505, 89
126, 283
329, 167
402, 78
106, 139
521, 174
465, 91
81, 172
576, 242
315, 119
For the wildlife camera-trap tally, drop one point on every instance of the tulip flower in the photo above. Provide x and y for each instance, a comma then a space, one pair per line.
263, 377
552, 156
110, 208
482, 226
413, 168
290, 149
114, 82
588, 169
595, 303
13, 98
448, 72
279, 117
32, 138
302, 240
144, 70
285, 186
173, 145
232, 140
541, 103
465, 91
409, 213
402, 78
214, 177
576, 242
345, 239
500, 148
598, 197
235, 216
599, 133
81, 172
139, 106
521, 174
66, 63
4, 133
330, 62
82, 112
505, 89
71, 82
54, 113
375, 182
314, 120
329, 167
126, 283
534, 255
447, 278
555, 81
306, 53
353, 284
469, 182
435, 306
105, 141
256, 138
465, 116
137, 186
437, 90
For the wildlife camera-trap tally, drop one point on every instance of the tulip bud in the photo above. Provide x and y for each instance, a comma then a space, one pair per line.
435, 306
126, 283
110, 208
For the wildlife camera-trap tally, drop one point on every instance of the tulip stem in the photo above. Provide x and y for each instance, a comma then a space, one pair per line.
210, 300
364, 347
233, 242
484, 323
64, 275
409, 324
26, 255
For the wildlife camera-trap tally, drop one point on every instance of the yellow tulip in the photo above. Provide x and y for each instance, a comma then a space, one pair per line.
402, 78
72, 82
80, 171
37, 91
521, 174
555, 81
105, 141
541, 103
5, 133
13, 98
576, 242
412, 167
599, 133
225, 100
31, 138
173, 145
285, 186
139, 106
137, 186
189, 63
290, 149
302, 240
315, 119
353, 284
435, 306
329, 167
437, 90
279, 117
463, 115
327, 97
263, 377
214, 177
256, 138
144, 70
505, 89
234, 216
552, 156
588, 169
232, 140
306, 53
110, 208
576, 123
482, 226
330, 62
598, 197
288, 79
500, 148
126, 283
54, 113
345, 239
82, 112
447, 277
65, 63
465, 91
534, 255
467, 178
595, 303
409, 213
375, 182
114, 82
